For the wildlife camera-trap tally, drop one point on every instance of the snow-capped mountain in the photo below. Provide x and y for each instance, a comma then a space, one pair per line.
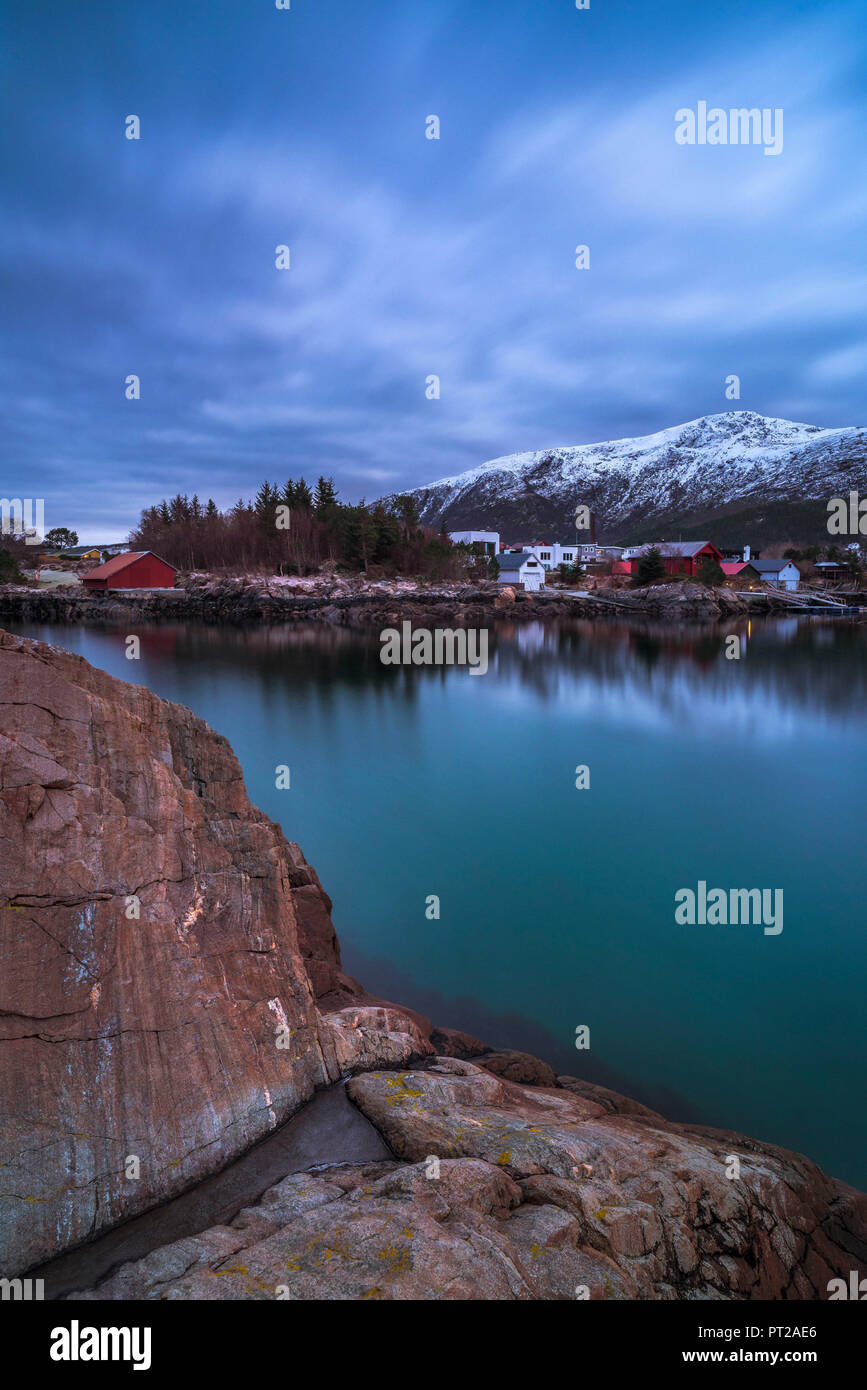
733, 464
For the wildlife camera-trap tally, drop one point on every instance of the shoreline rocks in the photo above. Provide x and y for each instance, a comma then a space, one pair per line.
499, 1191
358, 605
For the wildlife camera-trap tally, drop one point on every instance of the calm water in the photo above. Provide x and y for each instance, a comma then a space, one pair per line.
557, 905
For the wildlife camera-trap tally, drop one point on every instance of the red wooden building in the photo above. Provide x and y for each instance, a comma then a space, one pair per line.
679, 557
141, 569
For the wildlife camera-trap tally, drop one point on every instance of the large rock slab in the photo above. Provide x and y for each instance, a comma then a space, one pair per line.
384, 1232
157, 1015
510, 1192
654, 1198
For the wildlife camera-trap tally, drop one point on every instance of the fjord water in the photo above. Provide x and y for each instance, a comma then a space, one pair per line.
557, 906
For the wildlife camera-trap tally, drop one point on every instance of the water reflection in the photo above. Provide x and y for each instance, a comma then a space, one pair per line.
557, 904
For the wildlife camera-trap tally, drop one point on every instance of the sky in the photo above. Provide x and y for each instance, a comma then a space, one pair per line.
411, 257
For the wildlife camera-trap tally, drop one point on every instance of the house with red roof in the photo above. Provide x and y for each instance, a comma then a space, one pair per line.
741, 574
679, 557
140, 569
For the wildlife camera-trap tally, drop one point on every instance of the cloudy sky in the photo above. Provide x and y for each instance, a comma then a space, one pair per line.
411, 257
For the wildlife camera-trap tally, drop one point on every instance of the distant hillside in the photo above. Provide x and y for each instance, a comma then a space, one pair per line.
738, 476
767, 523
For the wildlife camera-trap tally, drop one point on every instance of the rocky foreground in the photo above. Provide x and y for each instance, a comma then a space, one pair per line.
357, 603
171, 992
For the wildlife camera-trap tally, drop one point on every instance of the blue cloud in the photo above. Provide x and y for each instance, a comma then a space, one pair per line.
411, 257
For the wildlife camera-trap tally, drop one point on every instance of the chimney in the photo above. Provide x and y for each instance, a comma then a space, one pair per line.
746, 554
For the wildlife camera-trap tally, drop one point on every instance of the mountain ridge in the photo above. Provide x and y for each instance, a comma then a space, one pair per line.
724, 464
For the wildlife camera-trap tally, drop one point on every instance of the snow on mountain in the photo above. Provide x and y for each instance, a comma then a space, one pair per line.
728, 462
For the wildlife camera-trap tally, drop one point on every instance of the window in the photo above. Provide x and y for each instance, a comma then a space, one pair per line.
545, 555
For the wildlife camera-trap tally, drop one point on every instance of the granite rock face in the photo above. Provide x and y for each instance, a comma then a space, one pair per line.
161, 949
507, 1192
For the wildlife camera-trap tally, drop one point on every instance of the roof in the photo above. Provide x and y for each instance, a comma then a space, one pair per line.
770, 566
683, 549
513, 560
120, 562
735, 566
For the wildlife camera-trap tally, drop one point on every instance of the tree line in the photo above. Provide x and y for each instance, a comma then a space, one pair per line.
294, 529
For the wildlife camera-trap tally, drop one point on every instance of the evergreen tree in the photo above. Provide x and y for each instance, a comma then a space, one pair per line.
303, 496
406, 508
651, 566
709, 572
325, 497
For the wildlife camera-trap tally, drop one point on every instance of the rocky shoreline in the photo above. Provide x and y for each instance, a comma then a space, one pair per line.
356, 604
173, 993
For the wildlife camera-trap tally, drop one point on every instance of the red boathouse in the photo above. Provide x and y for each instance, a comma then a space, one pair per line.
679, 557
141, 569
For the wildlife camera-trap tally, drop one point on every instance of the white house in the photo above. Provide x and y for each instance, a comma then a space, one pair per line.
487, 542
553, 554
781, 573
521, 567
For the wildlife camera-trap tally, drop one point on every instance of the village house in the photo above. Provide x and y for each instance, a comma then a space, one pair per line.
521, 567
679, 557
74, 552
741, 574
81, 552
94, 553
781, 573
483, 542
141, 569
551, 554
832, 571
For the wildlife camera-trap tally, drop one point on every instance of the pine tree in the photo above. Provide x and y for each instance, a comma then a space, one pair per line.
406, 508
303, 495
710, 573
266, 500
325, 497
651, 566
